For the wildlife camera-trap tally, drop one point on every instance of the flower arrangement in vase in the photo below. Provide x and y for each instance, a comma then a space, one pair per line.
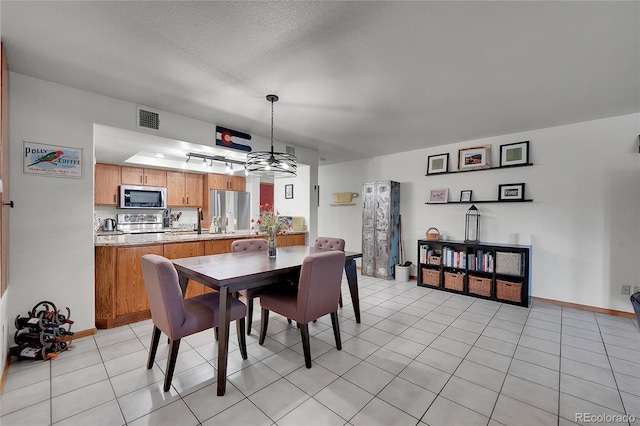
271, 223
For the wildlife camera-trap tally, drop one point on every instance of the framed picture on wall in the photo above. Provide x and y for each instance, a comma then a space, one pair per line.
440, 195
511, 192
52, 160
437, 164
514, 154
465, 196
478, 157
288, 191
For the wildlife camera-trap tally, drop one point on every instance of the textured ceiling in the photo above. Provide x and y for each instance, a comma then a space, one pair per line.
355, 79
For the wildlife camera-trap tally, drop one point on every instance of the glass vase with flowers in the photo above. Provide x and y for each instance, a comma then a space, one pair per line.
271, 223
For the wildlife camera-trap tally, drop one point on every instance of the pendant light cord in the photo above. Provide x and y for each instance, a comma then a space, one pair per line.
272, 127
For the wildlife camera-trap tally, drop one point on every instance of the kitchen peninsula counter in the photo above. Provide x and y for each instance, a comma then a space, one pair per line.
120, 294
121, 240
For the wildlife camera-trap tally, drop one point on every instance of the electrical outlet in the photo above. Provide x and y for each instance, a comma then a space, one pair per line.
636, 289
626, 290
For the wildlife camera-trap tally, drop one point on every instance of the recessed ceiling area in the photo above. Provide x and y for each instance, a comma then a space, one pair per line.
126, 147
356, 79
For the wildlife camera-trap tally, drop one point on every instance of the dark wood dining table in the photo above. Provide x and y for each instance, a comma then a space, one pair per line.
231, 272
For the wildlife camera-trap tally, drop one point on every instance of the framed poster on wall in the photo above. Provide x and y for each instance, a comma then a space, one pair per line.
51, 160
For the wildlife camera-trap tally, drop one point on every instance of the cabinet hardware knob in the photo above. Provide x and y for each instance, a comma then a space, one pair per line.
10, 204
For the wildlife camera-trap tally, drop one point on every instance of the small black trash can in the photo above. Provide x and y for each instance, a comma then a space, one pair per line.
635, 301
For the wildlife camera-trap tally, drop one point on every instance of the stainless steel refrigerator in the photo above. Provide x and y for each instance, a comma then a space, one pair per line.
230, 206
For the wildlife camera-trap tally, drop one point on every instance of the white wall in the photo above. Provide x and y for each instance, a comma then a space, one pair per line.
343, 221
299, 204
51, 252
584, 222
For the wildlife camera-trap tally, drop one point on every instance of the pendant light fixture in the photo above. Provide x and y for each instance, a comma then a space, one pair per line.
269, 163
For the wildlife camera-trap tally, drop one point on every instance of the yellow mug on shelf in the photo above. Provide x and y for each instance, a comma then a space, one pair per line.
344, 197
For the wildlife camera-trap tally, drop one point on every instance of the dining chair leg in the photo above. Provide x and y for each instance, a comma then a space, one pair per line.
336, 330
249, 315
215, 332
263, 328
155, 339
289, 320
306, 348
340, 300
242, 340
171, 363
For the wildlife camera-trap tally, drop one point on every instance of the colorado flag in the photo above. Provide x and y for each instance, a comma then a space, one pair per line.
233, 139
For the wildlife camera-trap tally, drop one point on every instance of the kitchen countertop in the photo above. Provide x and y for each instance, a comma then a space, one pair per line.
115, 239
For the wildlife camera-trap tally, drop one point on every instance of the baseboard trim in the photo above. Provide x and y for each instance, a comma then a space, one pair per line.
576, 306
587, 308
85, 333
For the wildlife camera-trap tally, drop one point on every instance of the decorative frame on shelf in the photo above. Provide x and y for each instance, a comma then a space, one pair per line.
465, 196
439, 196
288, 191
438, 164
514, 154
478, 157
511, 192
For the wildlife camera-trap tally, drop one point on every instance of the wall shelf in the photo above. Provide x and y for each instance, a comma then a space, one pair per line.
480, 170
483, 201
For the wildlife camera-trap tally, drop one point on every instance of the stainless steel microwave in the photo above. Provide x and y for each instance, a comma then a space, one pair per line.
142, 197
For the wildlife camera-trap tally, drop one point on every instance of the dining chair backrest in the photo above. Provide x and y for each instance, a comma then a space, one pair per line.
164, 293
248, 244
319, 284
330, 243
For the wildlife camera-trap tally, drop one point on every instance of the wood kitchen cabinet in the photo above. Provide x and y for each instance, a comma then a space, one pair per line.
296, 239
188, 249
286, 240
120, 293
217, 246
131, 294
226, 182
140, 176
107, 180
184, 189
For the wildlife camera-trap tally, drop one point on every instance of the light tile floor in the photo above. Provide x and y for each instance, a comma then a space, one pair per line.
419, 357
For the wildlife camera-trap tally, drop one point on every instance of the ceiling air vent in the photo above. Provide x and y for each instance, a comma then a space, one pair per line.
291, 150
148, 118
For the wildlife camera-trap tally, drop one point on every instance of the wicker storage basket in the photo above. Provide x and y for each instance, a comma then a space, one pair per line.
454, 281
433, 234
479, 285
508, 290
433, 260
431, 276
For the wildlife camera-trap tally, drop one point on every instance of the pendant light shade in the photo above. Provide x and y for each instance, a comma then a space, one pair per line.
269, 163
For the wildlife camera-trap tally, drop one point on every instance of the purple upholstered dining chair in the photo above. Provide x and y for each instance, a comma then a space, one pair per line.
315, 296
177, 317
249, 244
331, 243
